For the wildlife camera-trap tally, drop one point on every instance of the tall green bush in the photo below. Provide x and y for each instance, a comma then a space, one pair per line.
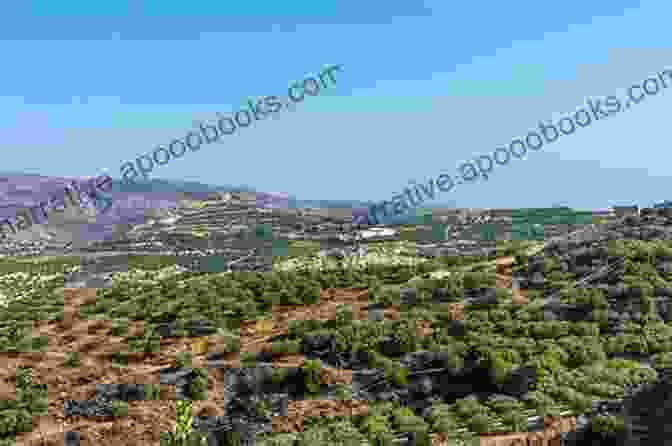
311, 369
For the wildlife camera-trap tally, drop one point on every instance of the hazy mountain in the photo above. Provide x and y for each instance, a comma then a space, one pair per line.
129, 203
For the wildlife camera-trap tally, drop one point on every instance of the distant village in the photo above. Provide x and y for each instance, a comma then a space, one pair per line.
231, 220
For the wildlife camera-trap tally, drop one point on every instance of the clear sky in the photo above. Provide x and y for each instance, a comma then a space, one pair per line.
424, 86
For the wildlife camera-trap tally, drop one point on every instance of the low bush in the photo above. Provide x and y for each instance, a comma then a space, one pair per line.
344, 315
607, 424
286, 347
152, 391
119, 359
377, 429
396, 375
119, 408
343, 392
182, 360
263, 408
467, 408
502, 406
539, 400
183, 417
14, 421
443, 418
39, 343
248, 359
72, 359
179, 439
119, 328
312, 380
279, 375
281, 439
620, 363
402, 412
417, 427
199, 384
515, 421
480, 423
663, 360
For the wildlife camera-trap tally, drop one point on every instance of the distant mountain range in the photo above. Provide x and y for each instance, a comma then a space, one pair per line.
176, 186
133, 203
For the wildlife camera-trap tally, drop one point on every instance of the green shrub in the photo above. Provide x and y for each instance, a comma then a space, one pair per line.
607, 424
443, 418
580, 403
643, 375
505, 405
263, 408
555, 357
199, 384
503, 294
585, 351
663, 360
467, 408
119, 359
152, 391
119, 408
402, 412
418, 426
232, 438
377, 430
24, 378
311, 370
280, 439
286, 347
455, 361
72, 359
620, 363
501, 367
375, 423
515, 421
119, 328
314, 436
538, 400
343, 392
397, 375
248, 359
180, 439
14, 421
182, 360
344, 315
602, 389
648, 304
299, 328
585, 329
230, 340
183, 417
480, 423
39, 343
279, 375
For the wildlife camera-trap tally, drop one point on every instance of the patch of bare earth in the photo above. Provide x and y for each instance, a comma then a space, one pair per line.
504, 279
147, 419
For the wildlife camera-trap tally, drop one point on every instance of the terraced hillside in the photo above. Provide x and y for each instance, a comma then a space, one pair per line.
441, 351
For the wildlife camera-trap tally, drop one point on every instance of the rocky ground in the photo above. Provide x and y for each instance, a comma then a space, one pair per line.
81, 398
80, 402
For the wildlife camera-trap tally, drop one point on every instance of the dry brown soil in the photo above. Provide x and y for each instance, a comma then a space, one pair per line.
147, 419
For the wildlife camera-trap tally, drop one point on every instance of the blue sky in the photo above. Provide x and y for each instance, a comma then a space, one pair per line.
424, 87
